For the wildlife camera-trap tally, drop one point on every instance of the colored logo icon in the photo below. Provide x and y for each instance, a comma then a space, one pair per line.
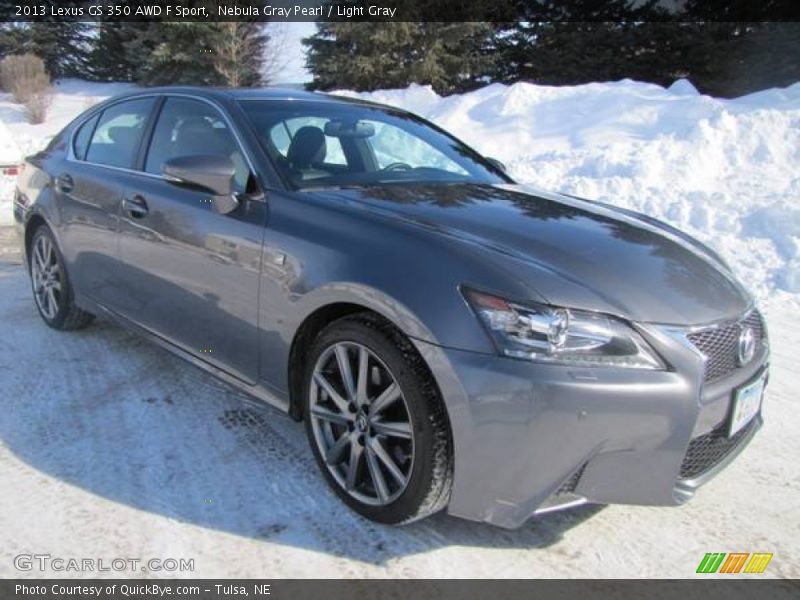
734, 562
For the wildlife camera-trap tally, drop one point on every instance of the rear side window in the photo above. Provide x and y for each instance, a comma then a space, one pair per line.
116, 137
81, 141
188, 127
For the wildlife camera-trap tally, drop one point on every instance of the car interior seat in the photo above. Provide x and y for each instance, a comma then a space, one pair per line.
307, 152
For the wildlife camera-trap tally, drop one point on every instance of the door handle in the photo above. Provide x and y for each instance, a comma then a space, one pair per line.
64, 183
136, 206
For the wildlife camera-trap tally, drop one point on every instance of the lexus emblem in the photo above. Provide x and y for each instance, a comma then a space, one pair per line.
747, 346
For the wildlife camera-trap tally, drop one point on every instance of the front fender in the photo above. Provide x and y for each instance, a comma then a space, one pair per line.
370, 298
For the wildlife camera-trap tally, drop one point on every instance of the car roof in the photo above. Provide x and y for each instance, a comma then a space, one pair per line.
266, 93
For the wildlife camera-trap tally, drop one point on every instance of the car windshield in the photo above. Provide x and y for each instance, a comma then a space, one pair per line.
323, 144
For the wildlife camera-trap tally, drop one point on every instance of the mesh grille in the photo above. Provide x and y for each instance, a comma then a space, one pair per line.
708, 449
720, 345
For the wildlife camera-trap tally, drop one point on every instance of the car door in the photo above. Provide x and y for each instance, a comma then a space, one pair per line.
89, 183
192, 274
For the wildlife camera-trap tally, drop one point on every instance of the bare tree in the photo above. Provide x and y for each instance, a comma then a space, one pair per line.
238, 48
22, 75
276, 58
25, 78
38, 105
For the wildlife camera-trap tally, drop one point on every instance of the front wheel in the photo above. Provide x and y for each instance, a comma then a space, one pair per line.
51, 287
376, 422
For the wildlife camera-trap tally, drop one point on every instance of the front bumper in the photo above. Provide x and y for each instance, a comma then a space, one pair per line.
532, 437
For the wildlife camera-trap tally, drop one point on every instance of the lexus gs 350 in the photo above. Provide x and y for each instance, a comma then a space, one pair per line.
449, 338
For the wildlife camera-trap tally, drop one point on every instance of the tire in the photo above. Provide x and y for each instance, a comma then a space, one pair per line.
48, 272
418, 410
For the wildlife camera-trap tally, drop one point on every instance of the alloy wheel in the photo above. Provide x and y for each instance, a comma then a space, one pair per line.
361, 423
46, 275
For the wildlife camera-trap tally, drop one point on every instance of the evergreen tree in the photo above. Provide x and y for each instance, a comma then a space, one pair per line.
119, 51
62, 45
708, 41
570, 40
198, 53
176, 53
360, 56
12, 39
741, 11
740, 47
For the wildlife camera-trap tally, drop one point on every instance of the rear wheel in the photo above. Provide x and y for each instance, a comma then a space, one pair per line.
376, 423
51, 288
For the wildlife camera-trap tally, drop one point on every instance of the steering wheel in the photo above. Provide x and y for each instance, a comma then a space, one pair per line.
397, 166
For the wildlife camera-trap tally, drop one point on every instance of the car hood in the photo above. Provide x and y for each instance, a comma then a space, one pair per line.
571, 252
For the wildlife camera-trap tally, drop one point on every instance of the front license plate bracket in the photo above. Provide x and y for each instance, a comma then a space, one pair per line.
746, 404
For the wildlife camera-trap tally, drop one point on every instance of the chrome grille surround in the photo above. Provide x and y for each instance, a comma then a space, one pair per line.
719, 344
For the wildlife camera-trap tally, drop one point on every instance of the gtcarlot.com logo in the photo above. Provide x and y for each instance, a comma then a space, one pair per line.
734, 562
47, 562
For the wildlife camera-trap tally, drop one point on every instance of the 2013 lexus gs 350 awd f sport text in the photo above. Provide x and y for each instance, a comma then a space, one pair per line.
449, 338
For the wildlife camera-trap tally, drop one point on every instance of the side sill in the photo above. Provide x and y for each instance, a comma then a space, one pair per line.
257, 391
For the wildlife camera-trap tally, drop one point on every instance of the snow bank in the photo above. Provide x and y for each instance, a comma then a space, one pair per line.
722, 170
9, 152
9, 155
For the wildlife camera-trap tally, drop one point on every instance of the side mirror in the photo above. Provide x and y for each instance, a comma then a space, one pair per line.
213, 173
496, 164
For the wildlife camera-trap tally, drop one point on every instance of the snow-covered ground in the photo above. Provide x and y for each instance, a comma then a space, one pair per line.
109, 447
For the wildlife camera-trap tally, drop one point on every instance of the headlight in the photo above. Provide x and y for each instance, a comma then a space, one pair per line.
561, 335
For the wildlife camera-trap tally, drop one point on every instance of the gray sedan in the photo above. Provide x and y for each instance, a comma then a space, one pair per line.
450, 339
